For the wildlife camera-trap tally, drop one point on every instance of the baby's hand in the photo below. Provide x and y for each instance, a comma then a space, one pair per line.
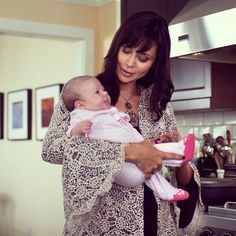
83, 128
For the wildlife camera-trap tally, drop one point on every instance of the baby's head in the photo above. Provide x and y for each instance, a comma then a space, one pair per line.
85, 92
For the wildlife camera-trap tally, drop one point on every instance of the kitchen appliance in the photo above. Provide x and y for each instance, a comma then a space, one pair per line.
205, 30
220, 220
217, 191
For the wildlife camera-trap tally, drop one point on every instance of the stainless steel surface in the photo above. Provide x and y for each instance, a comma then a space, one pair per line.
223, 211
205, 30
230, 205
220, 220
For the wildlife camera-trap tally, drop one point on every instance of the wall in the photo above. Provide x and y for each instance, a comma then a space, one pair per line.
109, 21
31, 200
103, 19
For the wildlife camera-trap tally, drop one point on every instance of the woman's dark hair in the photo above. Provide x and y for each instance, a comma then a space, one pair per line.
142, 29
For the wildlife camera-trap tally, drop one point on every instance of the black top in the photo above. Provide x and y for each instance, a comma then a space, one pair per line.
150, 212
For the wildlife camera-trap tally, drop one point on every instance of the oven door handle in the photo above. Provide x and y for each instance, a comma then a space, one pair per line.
230, 205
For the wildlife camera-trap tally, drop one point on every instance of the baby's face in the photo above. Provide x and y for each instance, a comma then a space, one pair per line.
94, 96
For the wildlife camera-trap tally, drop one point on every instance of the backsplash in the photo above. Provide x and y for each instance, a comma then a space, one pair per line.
215, 123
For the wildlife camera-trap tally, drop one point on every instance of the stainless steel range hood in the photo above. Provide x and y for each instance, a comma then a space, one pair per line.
205, 30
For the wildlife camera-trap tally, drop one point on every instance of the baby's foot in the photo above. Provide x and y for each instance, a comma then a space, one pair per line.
180, 195
189, 143
164, 189
184, 147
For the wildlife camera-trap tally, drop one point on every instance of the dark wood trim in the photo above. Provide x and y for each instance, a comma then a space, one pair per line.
166, 8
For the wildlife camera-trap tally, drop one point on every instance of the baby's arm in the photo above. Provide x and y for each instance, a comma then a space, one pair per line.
82, 128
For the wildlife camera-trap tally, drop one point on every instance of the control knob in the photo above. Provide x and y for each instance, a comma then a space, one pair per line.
208, 232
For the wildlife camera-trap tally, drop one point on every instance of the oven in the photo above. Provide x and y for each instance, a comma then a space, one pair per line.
220, 220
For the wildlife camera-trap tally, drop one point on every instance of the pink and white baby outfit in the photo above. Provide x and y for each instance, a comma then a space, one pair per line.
110, 124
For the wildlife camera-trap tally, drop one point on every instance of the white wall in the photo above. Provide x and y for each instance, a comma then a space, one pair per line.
31, 200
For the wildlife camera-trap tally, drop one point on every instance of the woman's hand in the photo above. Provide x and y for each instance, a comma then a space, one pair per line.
184, 172
147, 158
167, 137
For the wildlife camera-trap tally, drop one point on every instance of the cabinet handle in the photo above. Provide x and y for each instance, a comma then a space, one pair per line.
183, 37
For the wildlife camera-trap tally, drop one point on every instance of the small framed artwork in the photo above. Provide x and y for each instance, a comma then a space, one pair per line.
19, 114
1, 114
46, 98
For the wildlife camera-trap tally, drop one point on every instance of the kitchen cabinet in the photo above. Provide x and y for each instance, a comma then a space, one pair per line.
166, 8
223, 85
203, 85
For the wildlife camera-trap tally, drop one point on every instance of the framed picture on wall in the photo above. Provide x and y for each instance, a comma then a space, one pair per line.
19, 114
46, 98
1, 114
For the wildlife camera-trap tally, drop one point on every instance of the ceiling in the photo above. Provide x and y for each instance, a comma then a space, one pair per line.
88, 2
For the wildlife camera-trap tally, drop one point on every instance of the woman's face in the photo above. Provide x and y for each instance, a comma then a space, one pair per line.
133, 65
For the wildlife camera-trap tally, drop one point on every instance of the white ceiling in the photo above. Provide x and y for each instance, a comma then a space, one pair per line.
88, 2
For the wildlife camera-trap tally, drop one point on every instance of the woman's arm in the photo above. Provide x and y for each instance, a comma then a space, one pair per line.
184, 175
89, 168
147, 158
89, 165
55, 139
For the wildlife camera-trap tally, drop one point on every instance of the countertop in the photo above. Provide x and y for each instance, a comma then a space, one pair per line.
216, 182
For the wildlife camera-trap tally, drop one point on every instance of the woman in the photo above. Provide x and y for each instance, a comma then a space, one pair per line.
136, 75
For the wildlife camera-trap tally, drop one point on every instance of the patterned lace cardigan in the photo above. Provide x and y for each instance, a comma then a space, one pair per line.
93, 204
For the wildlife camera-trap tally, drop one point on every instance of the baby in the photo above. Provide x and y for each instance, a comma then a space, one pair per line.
93, 116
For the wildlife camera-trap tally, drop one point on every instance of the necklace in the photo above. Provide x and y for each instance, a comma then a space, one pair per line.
128, 105
134, 120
